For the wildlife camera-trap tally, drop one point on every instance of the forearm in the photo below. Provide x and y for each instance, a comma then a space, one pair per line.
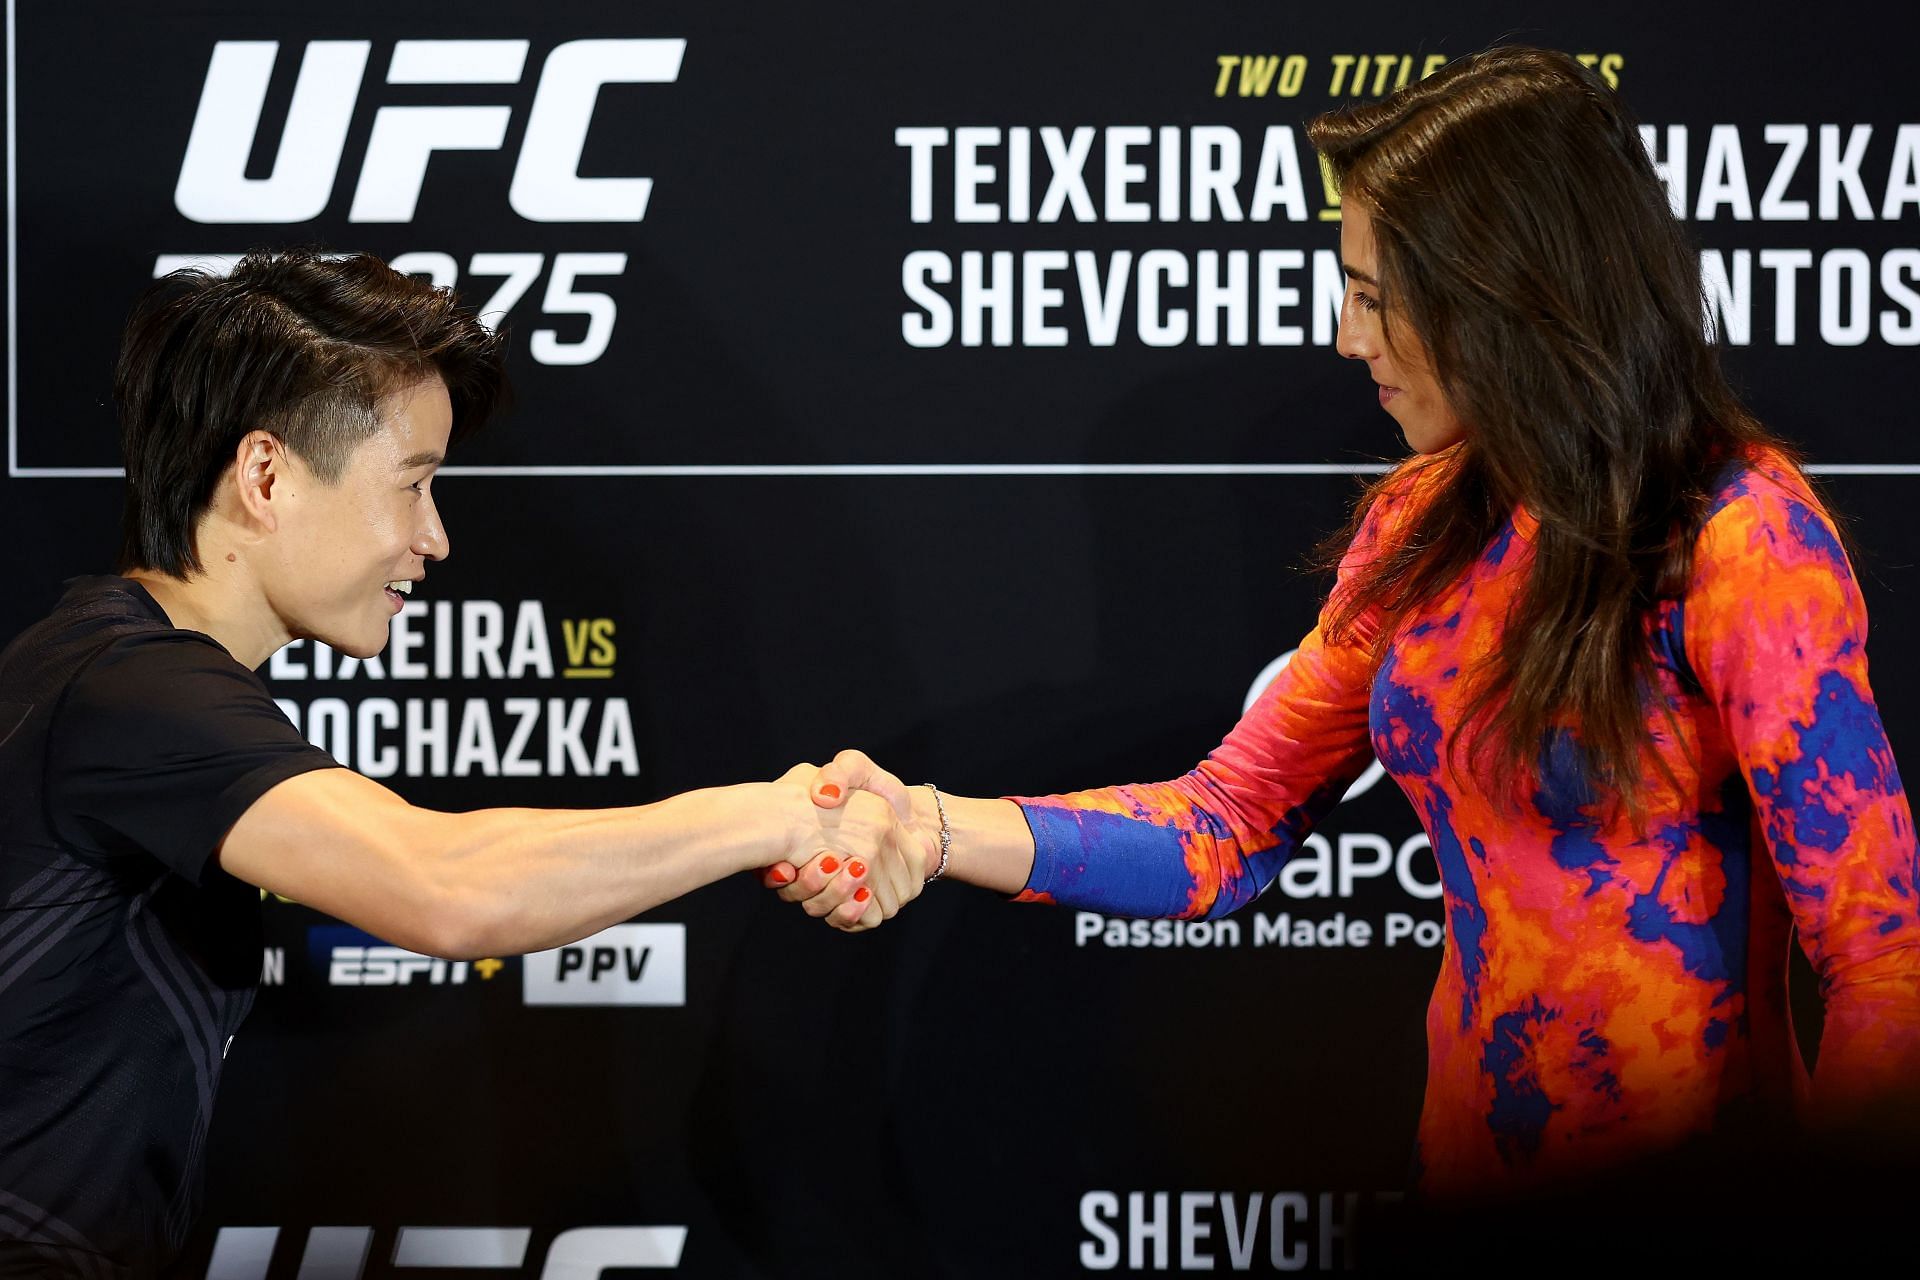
992, 846
519, 880
1191, 847
506, 881
1197, 847
1868, 1073
1209, 841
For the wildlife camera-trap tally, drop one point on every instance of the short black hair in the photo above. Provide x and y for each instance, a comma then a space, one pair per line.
298, 342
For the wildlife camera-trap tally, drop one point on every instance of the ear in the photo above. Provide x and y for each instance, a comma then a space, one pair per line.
259, 475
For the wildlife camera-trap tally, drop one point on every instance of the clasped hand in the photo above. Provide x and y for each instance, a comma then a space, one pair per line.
858, 888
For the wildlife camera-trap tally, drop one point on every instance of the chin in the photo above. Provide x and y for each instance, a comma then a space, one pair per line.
1424, 443
361, 646
1429, 436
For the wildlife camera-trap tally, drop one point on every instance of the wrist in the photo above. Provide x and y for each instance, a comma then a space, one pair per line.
926, 815
759, 823
939, 827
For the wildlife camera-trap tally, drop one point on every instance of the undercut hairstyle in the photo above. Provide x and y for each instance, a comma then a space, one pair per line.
299, 343
1525, 242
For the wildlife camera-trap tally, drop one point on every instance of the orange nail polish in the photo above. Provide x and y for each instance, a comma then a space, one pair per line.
829, 864
856, 868
862, 894
781, 873
830, 791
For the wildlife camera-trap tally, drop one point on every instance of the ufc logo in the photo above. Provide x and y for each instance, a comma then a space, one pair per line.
342, 1253
547, 186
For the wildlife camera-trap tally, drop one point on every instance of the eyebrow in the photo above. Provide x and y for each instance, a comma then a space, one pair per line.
429, 458
1359, 275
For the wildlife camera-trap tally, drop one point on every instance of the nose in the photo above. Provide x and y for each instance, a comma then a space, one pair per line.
1358, 337
429, 534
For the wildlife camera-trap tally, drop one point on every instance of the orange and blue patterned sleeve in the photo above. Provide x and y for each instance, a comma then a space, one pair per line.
1776, 629
1208, 842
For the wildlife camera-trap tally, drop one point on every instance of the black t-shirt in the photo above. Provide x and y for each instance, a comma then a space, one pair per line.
128, 749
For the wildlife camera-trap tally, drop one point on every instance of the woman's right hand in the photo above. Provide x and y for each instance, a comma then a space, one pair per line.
853, 893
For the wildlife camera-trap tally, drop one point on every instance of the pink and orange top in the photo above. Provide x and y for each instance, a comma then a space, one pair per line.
1603, 992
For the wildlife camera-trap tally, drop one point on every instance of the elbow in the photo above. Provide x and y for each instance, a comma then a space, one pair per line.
459, 907
453, 915
1242, 877
411, 886
465, 922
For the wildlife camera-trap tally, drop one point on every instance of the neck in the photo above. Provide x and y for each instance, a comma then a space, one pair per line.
223, 601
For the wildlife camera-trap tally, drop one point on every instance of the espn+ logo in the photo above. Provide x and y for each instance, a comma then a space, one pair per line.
628, 964
546, 185
351, 957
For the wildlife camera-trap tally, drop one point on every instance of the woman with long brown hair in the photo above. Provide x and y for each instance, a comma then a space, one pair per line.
1600, 630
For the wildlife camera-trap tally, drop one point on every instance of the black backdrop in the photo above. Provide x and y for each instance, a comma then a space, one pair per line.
1051, 548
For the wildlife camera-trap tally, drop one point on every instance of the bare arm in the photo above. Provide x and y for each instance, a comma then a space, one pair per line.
507, 881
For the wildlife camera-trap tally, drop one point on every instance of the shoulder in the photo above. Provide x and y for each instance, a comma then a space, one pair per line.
1388, 513
91, 611
1770, 574
163, 672
1416, 479
96, 616
124, 658
1765, 517
1391, 505
168, 707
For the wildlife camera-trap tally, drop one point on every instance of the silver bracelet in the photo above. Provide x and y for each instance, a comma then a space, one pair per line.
946, 833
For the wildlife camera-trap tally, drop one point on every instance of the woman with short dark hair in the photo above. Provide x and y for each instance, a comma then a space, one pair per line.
282, 428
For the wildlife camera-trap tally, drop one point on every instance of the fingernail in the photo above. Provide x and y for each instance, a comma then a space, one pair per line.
829, 864
781, 873
830, 791
862, 894
856, 868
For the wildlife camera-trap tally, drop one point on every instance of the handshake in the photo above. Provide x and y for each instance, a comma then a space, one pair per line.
866, 847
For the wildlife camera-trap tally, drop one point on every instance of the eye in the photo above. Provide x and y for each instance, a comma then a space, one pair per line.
1366, 301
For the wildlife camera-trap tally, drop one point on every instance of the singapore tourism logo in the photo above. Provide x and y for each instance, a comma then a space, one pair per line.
1342, 868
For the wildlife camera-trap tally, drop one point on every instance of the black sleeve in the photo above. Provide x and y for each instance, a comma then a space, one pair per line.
158, 747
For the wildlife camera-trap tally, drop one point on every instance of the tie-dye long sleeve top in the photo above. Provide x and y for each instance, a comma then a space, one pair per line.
1601, 993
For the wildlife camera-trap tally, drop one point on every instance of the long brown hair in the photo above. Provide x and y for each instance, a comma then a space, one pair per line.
1524, 239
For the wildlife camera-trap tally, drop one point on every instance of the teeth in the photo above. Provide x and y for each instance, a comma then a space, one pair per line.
404, 587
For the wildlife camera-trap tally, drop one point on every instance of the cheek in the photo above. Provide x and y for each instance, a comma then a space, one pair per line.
388, 524
1430, 398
